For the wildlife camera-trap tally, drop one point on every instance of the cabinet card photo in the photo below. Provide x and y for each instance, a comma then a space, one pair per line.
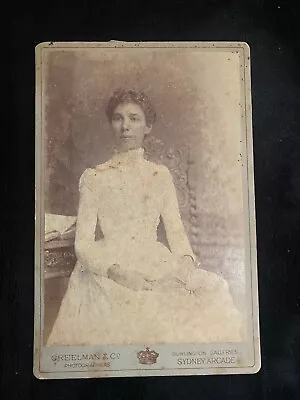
145, 250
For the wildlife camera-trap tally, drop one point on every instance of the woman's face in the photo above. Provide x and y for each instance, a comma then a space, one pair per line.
129, 125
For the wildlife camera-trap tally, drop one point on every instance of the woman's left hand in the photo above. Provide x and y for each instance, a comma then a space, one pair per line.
186, 267
190, 274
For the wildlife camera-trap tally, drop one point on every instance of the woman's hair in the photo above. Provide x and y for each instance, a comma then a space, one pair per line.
131, 96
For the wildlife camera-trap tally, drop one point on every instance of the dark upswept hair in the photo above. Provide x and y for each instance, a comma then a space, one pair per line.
138, 97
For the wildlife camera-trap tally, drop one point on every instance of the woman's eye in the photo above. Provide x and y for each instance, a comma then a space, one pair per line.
134, 118
116, 118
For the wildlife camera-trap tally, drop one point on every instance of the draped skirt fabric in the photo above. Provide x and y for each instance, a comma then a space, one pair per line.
98, 311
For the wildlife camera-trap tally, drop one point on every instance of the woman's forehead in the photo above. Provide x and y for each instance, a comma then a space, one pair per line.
129, 108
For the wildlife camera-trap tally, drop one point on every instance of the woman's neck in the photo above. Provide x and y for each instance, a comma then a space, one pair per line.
129, 156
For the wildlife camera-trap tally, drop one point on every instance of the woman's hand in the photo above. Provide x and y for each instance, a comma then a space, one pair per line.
189, 273
130, 279
185, 268
200, 280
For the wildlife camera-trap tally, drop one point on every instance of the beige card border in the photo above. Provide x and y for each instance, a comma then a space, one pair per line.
250, 349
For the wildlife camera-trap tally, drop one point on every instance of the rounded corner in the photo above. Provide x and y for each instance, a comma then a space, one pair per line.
246, 46
42, 45
37, 374
256, 368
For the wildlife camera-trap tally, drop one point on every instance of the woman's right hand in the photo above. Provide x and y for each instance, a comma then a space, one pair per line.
130, 279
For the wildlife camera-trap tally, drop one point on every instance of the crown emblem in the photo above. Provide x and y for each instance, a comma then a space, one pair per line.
147, 356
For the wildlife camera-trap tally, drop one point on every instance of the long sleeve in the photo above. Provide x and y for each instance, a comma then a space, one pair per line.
176, 235
86, 248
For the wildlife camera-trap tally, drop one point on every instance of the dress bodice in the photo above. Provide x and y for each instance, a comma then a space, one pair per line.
128, 194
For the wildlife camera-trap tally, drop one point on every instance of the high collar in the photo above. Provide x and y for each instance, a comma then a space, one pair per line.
129, 157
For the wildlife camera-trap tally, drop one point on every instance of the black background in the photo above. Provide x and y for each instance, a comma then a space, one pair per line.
270, 28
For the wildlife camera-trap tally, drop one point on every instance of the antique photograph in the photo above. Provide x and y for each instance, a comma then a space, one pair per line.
145, 224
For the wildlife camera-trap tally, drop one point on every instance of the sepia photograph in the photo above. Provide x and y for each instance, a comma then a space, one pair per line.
145, 224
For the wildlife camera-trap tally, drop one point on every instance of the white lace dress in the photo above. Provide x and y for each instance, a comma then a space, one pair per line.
128, 195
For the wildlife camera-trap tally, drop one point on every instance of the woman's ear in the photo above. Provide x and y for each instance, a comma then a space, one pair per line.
148, 129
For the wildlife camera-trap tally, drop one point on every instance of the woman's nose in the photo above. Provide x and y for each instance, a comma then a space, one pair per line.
125, 125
